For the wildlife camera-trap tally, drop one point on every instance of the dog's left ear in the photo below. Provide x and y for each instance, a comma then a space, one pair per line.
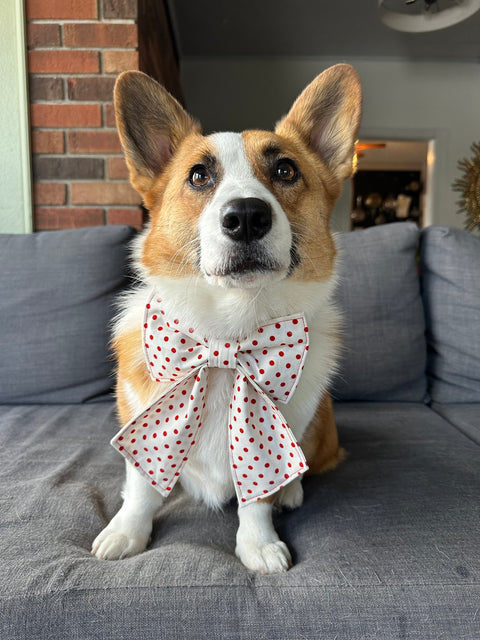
326, 115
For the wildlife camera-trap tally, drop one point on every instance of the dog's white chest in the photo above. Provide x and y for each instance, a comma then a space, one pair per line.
207, 474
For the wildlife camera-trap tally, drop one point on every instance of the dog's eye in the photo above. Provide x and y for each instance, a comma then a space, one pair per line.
199, 176
286, 171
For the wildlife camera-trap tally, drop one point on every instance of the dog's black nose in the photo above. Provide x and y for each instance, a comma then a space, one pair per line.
246, 219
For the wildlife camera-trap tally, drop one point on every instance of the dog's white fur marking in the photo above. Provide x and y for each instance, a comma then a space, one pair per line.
239, 182
258, 545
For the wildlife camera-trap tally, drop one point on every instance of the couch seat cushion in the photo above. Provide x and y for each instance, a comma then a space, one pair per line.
57, 290
384, 332
451, 293
465, 417
386, 546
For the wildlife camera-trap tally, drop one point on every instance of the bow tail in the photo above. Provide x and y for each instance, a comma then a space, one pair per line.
265, 455
158, 441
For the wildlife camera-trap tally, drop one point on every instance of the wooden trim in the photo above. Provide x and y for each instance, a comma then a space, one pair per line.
23, 114
157, 47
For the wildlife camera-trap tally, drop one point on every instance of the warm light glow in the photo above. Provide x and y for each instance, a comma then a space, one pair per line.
363, 146
430, 157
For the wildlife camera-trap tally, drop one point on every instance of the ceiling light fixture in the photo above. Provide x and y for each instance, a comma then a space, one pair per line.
419, 16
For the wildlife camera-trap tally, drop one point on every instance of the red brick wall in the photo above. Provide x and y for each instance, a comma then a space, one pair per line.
76, 50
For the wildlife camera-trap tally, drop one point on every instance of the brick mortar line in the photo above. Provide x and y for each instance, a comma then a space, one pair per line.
82, 155
63, 21
87, 206
75, 76
67, 129
84, 180
78, 157
129, 207
69, 101
82, 48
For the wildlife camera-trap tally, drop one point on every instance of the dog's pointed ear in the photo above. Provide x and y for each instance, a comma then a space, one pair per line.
151, 124
326, 115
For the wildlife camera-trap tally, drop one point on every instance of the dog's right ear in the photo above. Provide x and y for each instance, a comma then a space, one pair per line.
151, 124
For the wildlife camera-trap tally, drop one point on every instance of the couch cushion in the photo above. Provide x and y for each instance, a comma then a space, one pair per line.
451, 292
465, 417
379, 293
386, 546
56, 301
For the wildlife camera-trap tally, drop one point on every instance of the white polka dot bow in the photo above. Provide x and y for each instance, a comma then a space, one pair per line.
264, 454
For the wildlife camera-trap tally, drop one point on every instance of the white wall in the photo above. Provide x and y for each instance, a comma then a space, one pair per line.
402, 99
15, 176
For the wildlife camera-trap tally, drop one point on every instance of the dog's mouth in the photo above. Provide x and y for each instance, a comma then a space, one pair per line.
237, 268
246, 260
245, 268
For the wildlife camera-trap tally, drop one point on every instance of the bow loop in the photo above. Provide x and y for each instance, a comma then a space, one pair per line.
170, 353
275, 356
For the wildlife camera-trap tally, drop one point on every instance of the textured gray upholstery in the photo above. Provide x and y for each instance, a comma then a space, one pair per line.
384, 346
386, 546
57, 291
451, 291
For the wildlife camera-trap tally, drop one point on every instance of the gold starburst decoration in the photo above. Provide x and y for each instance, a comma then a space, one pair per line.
469, 187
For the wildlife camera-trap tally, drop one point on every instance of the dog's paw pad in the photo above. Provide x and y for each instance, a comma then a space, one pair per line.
114, 545
268, 558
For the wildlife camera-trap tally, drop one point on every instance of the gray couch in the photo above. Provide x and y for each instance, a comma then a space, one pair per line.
385, 547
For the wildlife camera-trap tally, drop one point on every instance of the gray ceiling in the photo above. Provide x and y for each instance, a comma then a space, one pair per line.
339, 28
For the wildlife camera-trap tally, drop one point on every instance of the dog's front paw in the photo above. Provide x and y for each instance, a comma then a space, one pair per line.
113, 544
273, 557
291, 496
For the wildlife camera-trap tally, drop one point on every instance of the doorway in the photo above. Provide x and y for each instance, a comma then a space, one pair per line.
392, 183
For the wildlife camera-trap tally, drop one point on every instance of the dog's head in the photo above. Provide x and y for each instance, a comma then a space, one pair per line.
240, 209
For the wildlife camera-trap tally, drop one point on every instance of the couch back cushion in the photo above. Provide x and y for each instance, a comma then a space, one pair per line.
450, 261
57, 291
384, 350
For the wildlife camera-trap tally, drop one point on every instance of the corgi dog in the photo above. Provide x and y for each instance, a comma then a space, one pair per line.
238, 236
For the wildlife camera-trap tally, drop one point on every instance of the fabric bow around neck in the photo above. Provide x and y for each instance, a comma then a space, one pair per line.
264, 454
